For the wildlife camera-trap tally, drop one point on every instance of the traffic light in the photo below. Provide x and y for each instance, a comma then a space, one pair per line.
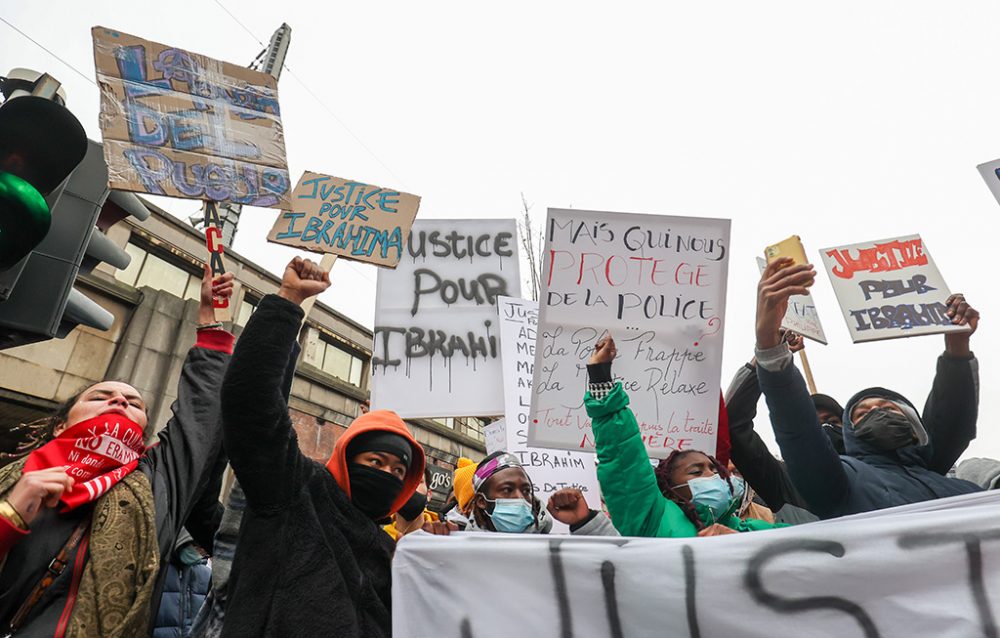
43, 303
40, 144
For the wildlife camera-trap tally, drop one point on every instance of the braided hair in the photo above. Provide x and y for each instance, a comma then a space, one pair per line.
666, 467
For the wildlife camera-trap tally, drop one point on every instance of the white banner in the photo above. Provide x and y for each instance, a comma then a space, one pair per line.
658, 285
549, 470
801, 316
907, 571
889, 288
436, 349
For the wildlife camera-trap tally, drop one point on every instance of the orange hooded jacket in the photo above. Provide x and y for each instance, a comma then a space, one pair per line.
387, 421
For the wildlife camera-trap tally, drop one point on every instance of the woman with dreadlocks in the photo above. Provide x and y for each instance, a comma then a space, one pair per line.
688, 494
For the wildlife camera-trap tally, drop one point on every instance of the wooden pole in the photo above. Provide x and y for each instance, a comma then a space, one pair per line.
213, 241
808, 370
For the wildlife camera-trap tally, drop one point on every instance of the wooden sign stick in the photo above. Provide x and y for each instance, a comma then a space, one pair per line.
808, 370
213, 241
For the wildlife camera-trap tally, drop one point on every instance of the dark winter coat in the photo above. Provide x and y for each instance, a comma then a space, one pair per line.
308, 562
866, 478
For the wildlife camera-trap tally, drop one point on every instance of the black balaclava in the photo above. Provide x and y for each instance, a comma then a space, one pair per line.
373, 491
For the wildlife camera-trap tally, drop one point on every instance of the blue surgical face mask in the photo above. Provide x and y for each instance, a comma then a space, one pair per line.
739, 488
511, 515
712, 493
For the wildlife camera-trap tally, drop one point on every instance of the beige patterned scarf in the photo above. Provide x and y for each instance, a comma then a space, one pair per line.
119, 578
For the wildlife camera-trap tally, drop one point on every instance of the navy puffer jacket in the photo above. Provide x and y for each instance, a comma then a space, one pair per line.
866, 478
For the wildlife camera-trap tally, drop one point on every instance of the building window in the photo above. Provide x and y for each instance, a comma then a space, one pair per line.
147, 269
474, 428
334, 360
248, 306
448, 422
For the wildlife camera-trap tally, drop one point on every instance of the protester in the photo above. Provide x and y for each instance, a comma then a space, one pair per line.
83, 535
893, 455
689, 494
187, 583
211, 617
751, 505
412, 516
456, 507
504, 501
311, 558
762, 471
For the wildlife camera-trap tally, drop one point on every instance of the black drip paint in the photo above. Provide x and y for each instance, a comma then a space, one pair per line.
611, 599
689, 591
562, 595
466, 628
753, 583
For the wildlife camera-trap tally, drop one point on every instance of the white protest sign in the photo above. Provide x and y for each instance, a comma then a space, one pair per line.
657, 284
436, 349
549, 470
495, 436
801, 316
889, 288
900, 572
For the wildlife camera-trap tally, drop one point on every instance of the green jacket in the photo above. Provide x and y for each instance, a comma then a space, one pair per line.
634, 500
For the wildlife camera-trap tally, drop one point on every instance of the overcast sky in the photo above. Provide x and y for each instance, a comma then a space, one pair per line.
841, 123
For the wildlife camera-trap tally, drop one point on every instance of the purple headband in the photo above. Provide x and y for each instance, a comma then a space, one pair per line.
491, 467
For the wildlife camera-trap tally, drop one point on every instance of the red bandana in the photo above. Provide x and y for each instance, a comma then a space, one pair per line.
99, 452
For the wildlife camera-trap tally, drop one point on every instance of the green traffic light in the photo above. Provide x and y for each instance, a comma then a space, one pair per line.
24, 219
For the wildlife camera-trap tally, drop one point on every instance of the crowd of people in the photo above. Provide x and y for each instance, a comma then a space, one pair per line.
103, 533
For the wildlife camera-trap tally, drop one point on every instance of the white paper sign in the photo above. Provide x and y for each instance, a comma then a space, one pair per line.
801, 316
495, 436
909, 571
657, 284
549, 470
436, 349
888, 289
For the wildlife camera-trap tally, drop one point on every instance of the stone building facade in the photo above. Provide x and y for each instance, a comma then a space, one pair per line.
154, 302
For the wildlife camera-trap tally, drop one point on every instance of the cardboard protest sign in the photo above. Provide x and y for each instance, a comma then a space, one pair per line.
918, 570
436, 345
347, 218
889, 288
180, 124
801, 316
657, 284
549, 470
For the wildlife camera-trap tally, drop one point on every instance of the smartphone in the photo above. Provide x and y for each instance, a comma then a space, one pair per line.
791, 247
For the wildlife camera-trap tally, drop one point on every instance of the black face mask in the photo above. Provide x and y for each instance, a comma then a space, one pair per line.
886, 430
836, 435
413, 507
373, 491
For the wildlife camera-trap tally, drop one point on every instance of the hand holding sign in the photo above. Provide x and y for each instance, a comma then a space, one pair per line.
780, 281
215, 293
303, 278
961, 314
